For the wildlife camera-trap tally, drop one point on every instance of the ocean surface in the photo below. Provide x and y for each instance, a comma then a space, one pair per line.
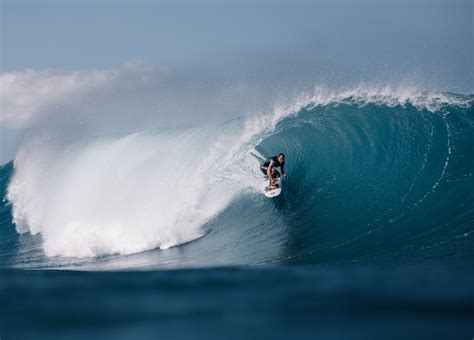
165, 233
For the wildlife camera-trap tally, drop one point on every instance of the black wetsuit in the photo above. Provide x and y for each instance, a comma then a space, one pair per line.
275, 164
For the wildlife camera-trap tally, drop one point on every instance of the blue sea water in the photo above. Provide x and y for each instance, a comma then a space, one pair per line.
372, 236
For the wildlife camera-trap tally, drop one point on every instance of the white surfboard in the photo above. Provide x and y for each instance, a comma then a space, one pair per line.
272, 192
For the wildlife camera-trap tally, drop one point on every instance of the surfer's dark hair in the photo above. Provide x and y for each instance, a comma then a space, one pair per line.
281, 154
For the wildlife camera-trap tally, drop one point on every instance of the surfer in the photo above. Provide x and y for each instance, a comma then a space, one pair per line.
268, 168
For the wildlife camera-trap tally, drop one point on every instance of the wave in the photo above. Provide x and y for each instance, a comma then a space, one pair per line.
376, 174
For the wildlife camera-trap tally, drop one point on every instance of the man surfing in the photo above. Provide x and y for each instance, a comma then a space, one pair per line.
268, 169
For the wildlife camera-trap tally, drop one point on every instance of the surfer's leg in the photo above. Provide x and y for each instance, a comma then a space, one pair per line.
272, 176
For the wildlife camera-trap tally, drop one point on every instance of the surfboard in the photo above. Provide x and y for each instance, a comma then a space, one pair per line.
272, 192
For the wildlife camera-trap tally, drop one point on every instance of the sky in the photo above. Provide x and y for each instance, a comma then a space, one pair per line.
294, 37
52, 50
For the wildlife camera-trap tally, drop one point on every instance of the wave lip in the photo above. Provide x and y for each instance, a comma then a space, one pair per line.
388, 95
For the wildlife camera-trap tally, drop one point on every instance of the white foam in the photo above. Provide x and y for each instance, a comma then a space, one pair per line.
130, 194
389, 95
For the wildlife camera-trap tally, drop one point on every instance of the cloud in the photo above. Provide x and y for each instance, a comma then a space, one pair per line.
126, 96
26, 95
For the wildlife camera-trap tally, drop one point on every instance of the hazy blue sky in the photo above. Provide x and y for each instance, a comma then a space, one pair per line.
276, 40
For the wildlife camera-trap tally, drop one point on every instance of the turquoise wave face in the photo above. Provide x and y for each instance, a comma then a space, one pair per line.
378, 184
367, 183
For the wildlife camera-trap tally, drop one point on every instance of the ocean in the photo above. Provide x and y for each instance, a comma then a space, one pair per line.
165, 233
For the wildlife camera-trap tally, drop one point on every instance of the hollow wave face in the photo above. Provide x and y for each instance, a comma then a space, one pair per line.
379, 183
374, 177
